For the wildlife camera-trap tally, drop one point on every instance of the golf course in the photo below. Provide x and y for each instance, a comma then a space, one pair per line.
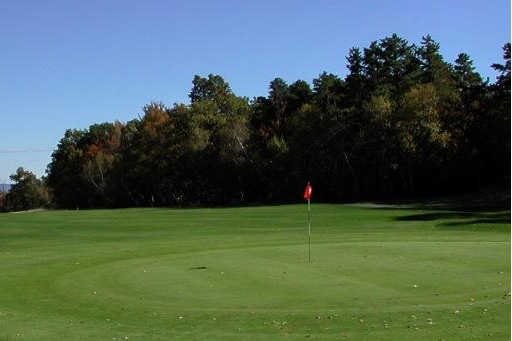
377, 272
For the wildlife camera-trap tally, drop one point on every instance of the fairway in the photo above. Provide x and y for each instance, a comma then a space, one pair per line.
376, 273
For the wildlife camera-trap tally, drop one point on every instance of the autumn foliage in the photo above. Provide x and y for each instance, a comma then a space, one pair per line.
402, 122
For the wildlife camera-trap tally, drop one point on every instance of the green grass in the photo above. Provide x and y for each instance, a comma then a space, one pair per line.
377, 273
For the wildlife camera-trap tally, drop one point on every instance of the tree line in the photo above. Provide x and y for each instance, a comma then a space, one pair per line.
402, 122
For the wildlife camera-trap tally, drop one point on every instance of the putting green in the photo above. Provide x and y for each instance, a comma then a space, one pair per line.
376, 273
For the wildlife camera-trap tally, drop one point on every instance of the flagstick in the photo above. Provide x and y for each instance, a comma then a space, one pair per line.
309, 227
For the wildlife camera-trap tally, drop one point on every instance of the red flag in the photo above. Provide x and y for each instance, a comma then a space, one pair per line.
307, 191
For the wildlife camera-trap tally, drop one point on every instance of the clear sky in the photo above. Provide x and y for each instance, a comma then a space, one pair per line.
69, 64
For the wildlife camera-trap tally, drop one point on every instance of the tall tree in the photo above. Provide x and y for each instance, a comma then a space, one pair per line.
403, 120
504, 69
70, 189
27, 192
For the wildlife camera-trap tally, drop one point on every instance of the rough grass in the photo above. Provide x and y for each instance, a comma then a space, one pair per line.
377, 273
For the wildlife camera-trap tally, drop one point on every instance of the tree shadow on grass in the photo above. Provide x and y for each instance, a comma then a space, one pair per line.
438, 216
476, 221
480, 221
492, 199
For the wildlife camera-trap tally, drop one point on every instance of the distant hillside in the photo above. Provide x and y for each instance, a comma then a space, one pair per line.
5, 187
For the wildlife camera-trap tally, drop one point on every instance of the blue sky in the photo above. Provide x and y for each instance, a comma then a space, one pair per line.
69, 64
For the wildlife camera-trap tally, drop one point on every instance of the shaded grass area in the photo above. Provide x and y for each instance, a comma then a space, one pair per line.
464, 220
491, 199
383, 273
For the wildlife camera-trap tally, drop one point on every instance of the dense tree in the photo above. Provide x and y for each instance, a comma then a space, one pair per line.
403, 121
71, 190
27, 192
496, 123
504, 69
2, 201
